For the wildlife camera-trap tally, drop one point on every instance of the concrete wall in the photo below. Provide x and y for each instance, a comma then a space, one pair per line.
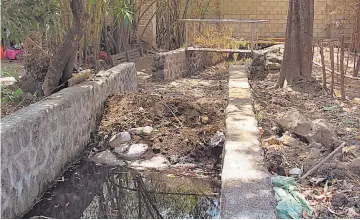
38, 141
179, 63
246, 189
276, 12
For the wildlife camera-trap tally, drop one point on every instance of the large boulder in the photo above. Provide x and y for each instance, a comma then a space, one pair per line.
354, 166
321, 133
293, 121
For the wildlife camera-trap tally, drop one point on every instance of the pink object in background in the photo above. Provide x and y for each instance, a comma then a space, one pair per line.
13, 54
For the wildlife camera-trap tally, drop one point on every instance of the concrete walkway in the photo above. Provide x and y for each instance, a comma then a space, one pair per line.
246, 187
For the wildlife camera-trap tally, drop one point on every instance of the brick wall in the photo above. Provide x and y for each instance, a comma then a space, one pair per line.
273, 10
276, 12
150, 31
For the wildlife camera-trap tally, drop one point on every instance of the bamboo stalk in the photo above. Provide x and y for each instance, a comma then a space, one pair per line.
342, 71
347, 63
338, 64
323, 65
332, 69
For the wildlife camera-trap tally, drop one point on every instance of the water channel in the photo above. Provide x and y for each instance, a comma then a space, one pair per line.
89, 190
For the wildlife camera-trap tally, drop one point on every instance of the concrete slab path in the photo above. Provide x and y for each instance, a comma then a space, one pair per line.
246, 186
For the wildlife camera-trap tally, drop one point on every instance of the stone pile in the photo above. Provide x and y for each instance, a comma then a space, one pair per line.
266, 61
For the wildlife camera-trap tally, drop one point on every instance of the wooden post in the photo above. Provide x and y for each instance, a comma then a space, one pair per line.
252, 37
347, 62
338, 64
357, 68
355, 54
323, 65
332, 69
186, 35
342, 70
194, 34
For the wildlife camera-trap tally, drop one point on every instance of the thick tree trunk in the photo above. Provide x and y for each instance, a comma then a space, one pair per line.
298, 54
355, 40
62, 63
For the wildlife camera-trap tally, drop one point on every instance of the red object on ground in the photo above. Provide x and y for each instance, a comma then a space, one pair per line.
13, 54
103, 55
2, 55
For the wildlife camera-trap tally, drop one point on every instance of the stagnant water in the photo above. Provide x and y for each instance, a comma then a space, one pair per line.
88, 190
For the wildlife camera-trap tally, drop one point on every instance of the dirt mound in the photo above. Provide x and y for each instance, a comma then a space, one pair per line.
185, 114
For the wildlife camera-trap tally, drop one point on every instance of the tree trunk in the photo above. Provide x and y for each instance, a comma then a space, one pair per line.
357, 68
298, 54
355, 40
62, 63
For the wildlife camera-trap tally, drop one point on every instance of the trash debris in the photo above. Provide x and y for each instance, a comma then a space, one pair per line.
296, 172
142, 130
106, 157
135, 151
357, 101
217, 139
331, 180
119, 139
279, 171
330, 108
158, 162
291, 203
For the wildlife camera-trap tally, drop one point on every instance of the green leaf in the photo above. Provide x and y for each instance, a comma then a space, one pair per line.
19, 92
330, 108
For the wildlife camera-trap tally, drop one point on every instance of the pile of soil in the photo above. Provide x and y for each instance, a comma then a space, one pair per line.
308, 98
185, 114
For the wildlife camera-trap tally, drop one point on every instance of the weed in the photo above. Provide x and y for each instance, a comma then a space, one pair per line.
10, 72
8, 95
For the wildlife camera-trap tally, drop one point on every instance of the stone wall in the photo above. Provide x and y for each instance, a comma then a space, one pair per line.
39, 141
179, 63
266, 61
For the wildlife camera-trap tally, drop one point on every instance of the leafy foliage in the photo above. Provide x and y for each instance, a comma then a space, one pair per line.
9, 95
23, 16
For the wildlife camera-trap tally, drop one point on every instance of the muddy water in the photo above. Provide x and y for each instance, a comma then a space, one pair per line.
88, 190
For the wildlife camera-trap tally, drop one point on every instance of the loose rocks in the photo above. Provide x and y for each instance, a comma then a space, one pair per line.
134, 152
106, 157
119, 139
158, 162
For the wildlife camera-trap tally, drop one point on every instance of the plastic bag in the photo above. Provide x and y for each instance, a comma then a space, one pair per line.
291, 203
